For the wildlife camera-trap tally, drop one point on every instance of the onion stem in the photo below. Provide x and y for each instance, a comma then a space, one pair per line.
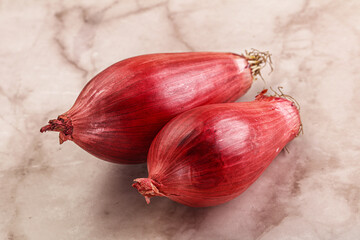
63, 125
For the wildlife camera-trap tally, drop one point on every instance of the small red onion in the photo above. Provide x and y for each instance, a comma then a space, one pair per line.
120, 111
211, 154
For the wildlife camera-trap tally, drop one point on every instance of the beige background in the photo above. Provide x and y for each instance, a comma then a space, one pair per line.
50, 49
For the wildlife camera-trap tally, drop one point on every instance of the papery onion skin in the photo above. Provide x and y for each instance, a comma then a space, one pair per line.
120, 111
211, 154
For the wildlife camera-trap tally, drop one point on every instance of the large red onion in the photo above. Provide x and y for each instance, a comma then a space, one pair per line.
210, 154
119, 112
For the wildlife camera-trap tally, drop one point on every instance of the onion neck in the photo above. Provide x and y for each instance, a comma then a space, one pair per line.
147, 188
62, 125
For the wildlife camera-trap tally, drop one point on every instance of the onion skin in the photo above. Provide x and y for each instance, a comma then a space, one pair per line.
120, 111
211, 154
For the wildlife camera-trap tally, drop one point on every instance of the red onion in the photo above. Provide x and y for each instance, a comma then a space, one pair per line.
210, 154
120, 111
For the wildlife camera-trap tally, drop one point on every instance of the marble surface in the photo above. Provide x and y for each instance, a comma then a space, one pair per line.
50, 49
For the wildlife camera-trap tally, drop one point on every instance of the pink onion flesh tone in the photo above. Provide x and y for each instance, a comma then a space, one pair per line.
211, 154
120, 111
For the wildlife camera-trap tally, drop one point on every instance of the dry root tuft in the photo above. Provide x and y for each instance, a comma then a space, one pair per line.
279, 93
258, 60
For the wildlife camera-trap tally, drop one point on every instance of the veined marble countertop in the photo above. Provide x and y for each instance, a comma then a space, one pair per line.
50, 49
